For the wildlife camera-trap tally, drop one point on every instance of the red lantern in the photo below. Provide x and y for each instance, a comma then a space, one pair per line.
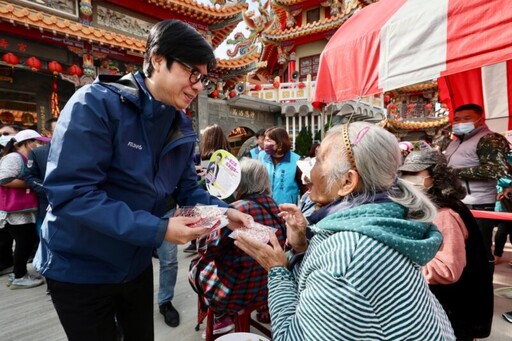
391, 106
276, 84
301, 85
11, 59
318, 105
410, 107
34, 63
215, 93
54, 67
232, 94
386, 99
257, 87
75, 70
428, 106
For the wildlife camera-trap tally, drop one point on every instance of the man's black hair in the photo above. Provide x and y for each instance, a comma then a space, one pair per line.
15, 127
260, 132
471, 106
173, 38
48, 123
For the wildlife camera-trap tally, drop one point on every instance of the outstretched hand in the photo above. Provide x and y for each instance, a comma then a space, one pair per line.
238, 219
268, 256
179, 233
296, 225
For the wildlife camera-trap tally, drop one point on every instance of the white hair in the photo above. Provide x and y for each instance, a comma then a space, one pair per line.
377, 157
254, 178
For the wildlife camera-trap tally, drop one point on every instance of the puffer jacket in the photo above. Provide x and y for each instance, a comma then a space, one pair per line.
118, 160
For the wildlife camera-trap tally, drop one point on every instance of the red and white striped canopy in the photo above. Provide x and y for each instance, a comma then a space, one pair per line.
395, 43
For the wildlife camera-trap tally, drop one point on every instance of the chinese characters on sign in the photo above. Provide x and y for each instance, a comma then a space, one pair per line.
242, 113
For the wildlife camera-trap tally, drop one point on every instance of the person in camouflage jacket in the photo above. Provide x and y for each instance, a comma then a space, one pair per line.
479, 156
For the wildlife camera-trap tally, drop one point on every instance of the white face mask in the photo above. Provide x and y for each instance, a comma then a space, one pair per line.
417, 181
464, 128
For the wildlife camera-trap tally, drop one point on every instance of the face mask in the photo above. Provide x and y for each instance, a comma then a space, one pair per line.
417, 181
270, 150
463, 128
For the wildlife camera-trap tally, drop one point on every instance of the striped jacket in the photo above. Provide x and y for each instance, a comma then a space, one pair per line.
360, 280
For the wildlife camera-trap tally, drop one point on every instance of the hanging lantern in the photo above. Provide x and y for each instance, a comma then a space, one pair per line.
232, 94
276, 84
215, 93
11, 59
301, 85
75, 70
54, 67
34, 64
410, 107
257, 87
391, 107
318, 105
386, 99
428, 106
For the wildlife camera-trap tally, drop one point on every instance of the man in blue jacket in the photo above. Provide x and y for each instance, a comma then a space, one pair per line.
121, 156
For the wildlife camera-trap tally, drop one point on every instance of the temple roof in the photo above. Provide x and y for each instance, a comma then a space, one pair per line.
31, 18
434, 123
200, 12
234, 70
221, 22
324, 25
429, 85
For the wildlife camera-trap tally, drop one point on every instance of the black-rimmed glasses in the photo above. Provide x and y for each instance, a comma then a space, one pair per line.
195, 75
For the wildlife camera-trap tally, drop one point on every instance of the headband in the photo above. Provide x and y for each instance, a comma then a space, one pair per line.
348, 148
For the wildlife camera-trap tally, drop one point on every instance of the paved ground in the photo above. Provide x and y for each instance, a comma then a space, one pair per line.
28, 315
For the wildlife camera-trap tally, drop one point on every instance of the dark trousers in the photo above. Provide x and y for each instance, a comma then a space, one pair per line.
486, 227
25, 236
89, 311
5, 248
500, 238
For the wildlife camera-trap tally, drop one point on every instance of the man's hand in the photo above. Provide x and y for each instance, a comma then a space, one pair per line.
295, 227
238, 219
268, 256
179, 233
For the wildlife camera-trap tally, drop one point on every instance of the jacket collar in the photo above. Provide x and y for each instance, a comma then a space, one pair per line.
131, 87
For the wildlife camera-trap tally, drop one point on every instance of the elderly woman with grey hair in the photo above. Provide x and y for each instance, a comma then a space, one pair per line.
360, 277
226, 279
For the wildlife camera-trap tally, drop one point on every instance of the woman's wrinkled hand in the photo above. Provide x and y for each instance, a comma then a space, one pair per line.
268, 256
296, 226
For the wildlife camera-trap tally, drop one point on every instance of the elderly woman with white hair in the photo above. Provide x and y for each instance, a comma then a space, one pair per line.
226, 279
360, 277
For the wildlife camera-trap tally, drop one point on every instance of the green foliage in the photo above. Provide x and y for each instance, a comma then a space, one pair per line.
303, 142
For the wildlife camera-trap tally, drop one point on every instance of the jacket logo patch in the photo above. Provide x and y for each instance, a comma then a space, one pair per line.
135, 145
30, 163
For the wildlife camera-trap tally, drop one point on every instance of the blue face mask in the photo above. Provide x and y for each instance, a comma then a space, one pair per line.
463, 128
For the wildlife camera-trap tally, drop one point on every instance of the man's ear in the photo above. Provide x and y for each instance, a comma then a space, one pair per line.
349, 183
156, 60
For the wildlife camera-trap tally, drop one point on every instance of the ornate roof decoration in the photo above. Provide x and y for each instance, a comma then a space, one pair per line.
234, 70
432, 123
430, 85
203, 13
289, 2
321, 26
19, 15
240, 62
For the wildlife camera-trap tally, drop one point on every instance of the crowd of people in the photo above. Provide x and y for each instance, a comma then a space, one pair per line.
372, 243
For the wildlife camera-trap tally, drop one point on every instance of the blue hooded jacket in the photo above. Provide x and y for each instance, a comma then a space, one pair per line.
119, 160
